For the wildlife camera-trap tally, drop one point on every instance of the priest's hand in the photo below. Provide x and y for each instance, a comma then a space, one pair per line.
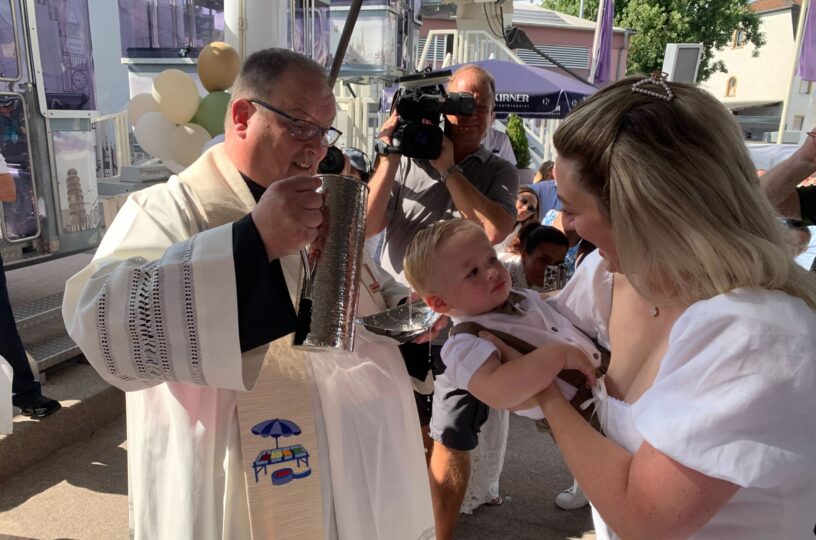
288, 215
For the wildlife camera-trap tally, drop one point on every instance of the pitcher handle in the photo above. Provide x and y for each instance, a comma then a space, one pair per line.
307, 274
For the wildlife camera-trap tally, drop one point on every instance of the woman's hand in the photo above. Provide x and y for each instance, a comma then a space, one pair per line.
574, 358
506, 352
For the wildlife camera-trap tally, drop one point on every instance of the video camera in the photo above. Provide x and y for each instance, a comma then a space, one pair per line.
421, 101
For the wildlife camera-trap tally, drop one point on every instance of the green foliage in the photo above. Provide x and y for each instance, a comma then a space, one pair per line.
518, 140
658, 22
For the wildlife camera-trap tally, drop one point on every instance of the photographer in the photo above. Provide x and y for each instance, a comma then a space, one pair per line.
408, 194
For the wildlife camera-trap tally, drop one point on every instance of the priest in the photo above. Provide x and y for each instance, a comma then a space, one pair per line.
186, 306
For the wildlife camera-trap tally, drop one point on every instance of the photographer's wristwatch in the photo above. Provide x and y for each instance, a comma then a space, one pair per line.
453, 169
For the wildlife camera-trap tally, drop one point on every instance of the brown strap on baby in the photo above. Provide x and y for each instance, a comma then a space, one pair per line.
571, 376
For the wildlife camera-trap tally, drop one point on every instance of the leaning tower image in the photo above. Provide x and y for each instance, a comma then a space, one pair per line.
76, 202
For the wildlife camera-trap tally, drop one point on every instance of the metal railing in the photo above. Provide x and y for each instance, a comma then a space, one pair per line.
358, 117
465, 46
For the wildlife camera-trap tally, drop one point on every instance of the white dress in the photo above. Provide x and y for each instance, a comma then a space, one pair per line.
733, 399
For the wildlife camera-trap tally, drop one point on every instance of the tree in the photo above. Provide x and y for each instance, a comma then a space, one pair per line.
658, 22
518, 140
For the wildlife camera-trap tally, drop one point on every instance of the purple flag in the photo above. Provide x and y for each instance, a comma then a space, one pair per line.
807, 56
602, 45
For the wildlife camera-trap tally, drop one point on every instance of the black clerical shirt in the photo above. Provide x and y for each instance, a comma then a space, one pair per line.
265, 311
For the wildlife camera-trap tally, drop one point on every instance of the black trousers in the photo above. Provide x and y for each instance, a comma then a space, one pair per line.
11, 346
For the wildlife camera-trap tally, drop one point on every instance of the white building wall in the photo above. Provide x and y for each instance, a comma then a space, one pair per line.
761, 78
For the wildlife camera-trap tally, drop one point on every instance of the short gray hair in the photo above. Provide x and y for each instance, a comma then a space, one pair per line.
265, 68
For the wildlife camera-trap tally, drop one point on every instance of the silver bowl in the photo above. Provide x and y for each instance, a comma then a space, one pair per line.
403, 323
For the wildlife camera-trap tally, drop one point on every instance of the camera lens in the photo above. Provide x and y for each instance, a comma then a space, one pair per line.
333, 163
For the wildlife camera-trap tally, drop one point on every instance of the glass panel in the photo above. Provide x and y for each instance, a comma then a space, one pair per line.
106, 154
64, 35
169, 28
321, 50
9, 61
76, 180
376, 40
20, 215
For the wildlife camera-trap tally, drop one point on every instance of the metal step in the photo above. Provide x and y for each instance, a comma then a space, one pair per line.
38, 311
52, 351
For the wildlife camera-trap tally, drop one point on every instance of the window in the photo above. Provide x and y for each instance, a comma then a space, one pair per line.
805, 87
798, 121
64, 35
169, 28
731, 87
9, 61
740, 37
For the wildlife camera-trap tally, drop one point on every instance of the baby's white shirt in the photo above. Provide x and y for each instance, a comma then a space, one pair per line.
539, 324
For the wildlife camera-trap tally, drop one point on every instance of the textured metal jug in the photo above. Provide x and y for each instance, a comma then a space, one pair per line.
331, 264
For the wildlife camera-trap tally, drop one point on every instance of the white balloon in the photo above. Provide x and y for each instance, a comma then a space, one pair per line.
140, 104
174, 167
176, 94
187, 142
153, 132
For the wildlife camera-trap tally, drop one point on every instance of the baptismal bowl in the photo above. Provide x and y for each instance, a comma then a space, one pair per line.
403, 323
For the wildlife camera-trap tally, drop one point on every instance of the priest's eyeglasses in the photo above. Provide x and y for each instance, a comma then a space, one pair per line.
303, 130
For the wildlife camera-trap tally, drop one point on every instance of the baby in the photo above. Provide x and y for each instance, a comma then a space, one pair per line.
454, 268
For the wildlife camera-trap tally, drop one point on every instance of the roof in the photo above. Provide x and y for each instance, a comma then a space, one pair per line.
527, 13
762, 6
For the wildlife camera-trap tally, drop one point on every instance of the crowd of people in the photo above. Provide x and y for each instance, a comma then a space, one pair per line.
640, 300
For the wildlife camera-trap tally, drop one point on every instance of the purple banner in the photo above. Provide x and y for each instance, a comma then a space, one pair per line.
602, 54
807, 57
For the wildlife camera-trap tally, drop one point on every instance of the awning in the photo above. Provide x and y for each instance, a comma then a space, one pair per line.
527, 91
736, 105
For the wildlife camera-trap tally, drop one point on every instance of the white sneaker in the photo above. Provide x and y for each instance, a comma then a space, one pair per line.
571, 498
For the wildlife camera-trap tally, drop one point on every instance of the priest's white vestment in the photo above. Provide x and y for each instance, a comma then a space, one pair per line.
156, 314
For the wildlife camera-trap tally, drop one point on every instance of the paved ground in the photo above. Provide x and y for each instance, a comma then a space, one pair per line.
80, 491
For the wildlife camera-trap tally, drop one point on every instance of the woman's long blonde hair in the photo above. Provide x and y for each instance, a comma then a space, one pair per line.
681, 192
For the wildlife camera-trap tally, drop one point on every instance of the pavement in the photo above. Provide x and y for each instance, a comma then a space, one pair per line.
80, 492
66, 475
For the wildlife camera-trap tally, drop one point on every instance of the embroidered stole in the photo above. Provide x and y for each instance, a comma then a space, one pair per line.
277, 417
282, 468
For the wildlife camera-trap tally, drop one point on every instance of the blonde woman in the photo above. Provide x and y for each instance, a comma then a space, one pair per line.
708, 406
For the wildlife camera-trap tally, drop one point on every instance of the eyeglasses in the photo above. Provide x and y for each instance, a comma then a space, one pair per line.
303, 130
528, 203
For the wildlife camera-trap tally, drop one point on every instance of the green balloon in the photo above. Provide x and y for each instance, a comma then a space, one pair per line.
211, 112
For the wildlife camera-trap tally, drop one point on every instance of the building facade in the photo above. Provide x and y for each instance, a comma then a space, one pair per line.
757, 81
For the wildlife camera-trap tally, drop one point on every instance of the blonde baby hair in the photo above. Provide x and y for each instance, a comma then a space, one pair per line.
420, 256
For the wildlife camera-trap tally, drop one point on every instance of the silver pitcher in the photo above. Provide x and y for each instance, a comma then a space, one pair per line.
331, 267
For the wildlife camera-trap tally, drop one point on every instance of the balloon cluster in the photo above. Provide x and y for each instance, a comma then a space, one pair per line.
171, 122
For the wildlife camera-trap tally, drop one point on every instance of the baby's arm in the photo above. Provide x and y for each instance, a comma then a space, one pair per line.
508, 385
